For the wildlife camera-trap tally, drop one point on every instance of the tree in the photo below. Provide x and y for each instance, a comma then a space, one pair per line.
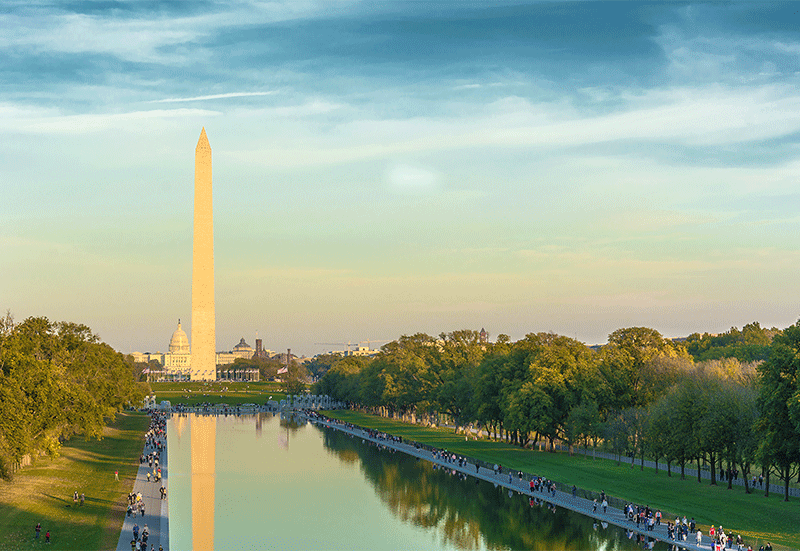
583, 423
56, 380
319, 365
779, 422
639, 364
558, 374
293, 386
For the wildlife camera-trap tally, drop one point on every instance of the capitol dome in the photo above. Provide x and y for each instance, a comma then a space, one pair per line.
179, 343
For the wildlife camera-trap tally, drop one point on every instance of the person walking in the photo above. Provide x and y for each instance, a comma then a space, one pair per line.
574, 491
116, 475
605, 505
699, 537
38, 529
83, 498
47, 537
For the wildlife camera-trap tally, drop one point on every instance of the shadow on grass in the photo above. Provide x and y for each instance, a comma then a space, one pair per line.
17, 531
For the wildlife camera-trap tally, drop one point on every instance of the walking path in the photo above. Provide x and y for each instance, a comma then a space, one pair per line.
562, 499
156, 509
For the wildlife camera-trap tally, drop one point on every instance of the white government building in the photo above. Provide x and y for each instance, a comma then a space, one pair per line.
177, 362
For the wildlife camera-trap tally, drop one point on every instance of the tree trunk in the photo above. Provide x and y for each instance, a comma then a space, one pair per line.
730, 475
786, 477
683, 470
766, 482
713, 469
698, 469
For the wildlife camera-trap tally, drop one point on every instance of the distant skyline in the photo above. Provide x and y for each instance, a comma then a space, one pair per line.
387, 168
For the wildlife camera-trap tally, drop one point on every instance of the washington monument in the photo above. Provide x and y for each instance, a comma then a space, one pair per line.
204, 362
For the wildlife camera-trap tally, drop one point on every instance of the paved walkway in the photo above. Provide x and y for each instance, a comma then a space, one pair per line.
561, 499
156, 509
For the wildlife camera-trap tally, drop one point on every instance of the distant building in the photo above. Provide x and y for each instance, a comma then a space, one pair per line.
484, 336
177, 362
355, 351
241, 350
262, 352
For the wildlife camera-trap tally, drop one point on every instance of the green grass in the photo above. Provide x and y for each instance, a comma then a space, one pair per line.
217, 392
43, 491
755, 516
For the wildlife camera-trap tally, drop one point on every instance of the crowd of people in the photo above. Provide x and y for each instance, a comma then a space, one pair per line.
154, 444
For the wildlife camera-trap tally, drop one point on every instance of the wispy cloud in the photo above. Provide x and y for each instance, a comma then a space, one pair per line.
215, 96
44, 121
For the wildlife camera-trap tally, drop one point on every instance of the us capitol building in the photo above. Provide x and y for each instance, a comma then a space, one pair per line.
176, 364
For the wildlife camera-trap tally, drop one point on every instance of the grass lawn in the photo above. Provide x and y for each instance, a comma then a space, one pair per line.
755, 516
217, 392
43, 491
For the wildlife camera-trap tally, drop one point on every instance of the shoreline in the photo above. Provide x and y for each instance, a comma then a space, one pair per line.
561, 499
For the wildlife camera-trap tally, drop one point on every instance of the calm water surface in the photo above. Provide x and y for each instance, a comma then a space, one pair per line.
260, 482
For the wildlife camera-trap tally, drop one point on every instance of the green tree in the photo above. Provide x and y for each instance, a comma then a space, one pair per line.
639, 364
778, 392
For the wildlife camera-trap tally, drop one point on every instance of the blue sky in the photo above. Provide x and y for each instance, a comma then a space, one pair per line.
384, 168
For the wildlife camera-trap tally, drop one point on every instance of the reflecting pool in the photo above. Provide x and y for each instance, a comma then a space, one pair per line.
262, 482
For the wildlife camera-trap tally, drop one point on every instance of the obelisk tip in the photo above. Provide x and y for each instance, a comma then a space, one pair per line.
203, 141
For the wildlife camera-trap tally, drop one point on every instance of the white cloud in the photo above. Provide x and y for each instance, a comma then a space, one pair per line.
46, 121
214, 96
146, 39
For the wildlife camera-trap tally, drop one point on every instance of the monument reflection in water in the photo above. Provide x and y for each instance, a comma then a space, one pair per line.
204, 443
261, 482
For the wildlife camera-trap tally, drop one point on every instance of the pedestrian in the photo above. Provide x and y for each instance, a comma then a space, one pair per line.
574, 491
148, 476
75, 497
605, 505
83, 498
142, 508
594, 506
116, 475
38, 529
47, 537
699, 537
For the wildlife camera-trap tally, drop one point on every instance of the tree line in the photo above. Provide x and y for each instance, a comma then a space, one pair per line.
56, 380
640, 394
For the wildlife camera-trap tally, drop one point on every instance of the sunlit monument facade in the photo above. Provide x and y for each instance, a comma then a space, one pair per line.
203, 362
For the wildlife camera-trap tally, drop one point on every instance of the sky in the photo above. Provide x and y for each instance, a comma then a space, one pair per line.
387, 168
